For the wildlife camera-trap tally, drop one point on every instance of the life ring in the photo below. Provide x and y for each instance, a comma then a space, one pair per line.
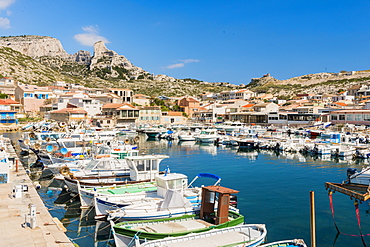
64, 170
137, 138
127, 141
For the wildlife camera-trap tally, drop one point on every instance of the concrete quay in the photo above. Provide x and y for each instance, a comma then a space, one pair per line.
17, 227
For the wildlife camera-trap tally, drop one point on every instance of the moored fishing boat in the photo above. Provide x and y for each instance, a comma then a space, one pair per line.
186, 136
173, 197
247, 235
87, 194
207, 219
207, 136
99, 172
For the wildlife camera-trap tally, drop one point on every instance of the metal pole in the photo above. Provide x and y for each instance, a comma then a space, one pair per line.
16, 165
312, 219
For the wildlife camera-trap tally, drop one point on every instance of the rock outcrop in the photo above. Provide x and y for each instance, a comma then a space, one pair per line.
35, 46
107, 59
82, 57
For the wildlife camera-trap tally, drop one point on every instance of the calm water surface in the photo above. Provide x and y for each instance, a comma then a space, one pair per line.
274, 190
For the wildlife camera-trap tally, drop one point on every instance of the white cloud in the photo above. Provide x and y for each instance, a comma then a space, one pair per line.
90, 37
9, 13
176, 65
6, 3
182, 64
4, 23
190, 61
90, 29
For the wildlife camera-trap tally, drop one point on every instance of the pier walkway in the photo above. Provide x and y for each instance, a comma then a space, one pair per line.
15, 222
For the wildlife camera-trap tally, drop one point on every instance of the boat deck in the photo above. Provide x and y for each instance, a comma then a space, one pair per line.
124, 190
179, 226
15, 229
212, 240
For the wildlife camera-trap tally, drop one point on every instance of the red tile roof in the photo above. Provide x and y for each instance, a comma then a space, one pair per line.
7, 102
112, 105
174, 113
249, 105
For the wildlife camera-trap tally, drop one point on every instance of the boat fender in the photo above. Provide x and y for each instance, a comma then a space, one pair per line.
37, 185
64, 170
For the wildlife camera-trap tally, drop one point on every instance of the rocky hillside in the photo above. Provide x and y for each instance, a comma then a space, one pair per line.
320, 83
42, 60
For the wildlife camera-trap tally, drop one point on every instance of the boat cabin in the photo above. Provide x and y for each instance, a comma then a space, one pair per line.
144, 167
104, 164
172, 181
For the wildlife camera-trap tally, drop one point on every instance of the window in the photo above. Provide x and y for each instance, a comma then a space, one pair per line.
358, 117
342, 117
334, 117
366, 117
350, 117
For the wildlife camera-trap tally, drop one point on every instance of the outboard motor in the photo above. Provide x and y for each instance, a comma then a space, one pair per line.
233, 201
351, 171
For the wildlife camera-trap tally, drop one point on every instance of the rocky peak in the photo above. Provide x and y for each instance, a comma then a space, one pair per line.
105, 58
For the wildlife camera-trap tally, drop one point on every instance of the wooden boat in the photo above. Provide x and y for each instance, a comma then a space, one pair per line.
286, 243
150, 230
247, 235
206, 220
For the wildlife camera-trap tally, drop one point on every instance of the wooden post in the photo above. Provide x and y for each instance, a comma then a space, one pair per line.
16, 165
312, 219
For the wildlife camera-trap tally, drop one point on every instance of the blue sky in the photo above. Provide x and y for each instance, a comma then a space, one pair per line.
215, 41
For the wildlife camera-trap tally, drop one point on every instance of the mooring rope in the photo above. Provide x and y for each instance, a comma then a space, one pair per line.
357, 216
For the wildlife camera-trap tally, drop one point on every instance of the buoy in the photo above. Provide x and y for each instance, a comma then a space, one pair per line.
37, 185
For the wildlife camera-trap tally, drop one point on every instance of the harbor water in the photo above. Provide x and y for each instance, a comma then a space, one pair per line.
274, 190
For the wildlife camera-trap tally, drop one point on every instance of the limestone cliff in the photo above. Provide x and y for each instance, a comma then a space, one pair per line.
35, 46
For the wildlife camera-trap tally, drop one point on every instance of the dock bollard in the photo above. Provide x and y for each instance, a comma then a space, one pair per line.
32, 216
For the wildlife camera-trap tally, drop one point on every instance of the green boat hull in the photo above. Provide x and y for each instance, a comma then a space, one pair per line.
125, 228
